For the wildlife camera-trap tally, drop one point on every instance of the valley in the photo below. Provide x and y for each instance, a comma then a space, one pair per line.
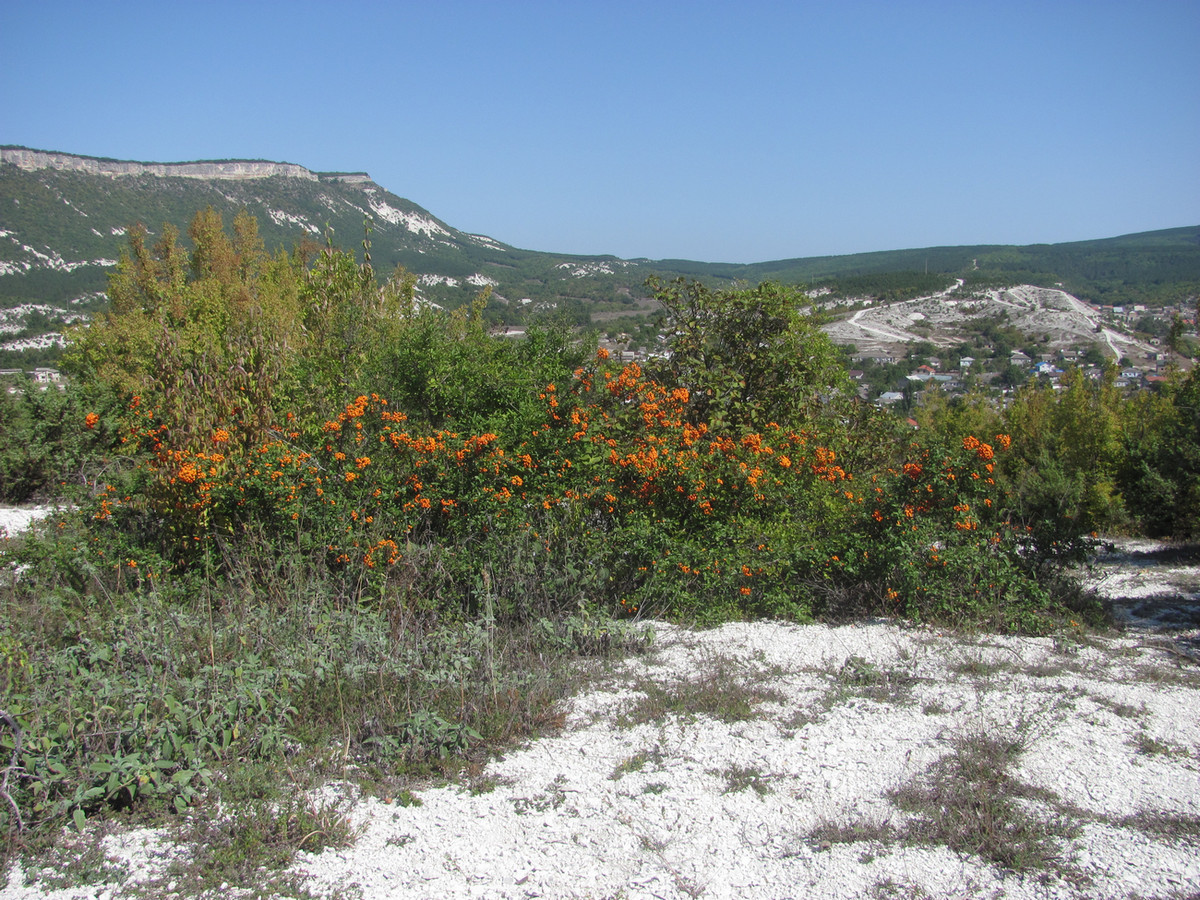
65, 219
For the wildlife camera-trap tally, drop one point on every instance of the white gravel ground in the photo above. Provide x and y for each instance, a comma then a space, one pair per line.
1110, 729
14, 519
605, 809
574, 816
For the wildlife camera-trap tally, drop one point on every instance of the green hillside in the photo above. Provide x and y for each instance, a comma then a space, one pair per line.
62, 230
1151, 267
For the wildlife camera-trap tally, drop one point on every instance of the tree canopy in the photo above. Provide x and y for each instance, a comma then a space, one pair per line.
747, 356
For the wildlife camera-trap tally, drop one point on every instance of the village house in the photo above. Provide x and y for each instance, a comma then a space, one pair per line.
47, 376
887, 398
44, 377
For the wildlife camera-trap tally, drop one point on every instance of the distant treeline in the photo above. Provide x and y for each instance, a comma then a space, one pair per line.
1157, 267
888, 286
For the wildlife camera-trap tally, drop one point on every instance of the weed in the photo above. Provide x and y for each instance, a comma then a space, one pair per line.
484, 784
655, 787
76, 860
977, 667
797, 719
1174, 826
1124, 710
165, 702
827, 834
634, 763
888, 889
1168, 676
553, 797
1047, 669
590, 636
652, 845
689, 886
768, 670
150, 702
740, 778
1151, 746
1071, 641
858, 677
721, 691
968, 802
253, 844
408, 798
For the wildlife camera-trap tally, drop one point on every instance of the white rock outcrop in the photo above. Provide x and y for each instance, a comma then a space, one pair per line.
232, 169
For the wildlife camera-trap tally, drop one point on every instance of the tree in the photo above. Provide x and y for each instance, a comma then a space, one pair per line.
922, 351
1160, 473
1174, 333
1012, 376
747, 357
349, 321
203, 338
1066, 455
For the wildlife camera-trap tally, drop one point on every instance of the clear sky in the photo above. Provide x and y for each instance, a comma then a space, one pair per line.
717, 131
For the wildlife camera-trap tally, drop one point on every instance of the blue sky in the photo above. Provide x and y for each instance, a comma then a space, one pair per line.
732, 132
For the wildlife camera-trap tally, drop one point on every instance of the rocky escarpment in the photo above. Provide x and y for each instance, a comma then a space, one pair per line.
346, 177
230, 169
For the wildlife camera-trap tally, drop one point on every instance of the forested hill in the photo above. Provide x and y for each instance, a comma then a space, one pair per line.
64, 220
1153, 267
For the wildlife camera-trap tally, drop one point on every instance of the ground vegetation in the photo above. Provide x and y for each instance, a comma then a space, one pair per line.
312, 523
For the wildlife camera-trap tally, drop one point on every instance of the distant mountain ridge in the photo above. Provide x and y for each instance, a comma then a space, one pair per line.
64, 219
33, 160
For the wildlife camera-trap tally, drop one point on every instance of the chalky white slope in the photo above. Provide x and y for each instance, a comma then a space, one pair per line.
692, 806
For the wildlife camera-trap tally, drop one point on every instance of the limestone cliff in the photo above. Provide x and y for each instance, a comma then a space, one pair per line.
229, 169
